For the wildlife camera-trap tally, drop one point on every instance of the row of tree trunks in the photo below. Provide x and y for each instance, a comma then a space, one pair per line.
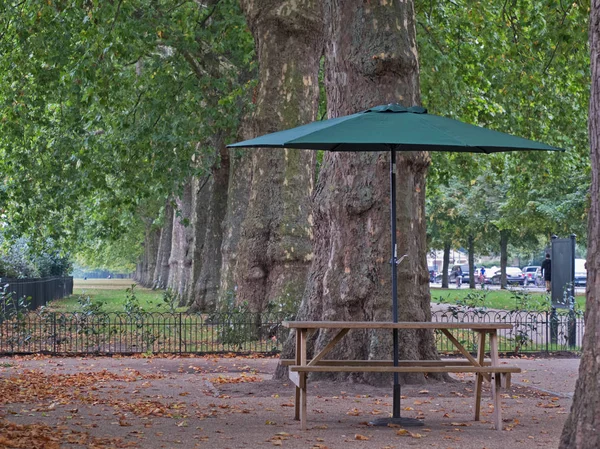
245, 230
371, 59
145, 269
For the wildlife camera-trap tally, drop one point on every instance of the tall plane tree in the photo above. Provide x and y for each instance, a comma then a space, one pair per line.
275, 249
371, 59
581, 427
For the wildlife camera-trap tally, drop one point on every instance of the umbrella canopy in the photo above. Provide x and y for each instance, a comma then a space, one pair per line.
394, 126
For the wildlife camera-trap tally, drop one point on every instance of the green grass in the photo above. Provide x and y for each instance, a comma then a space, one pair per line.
495, 299
112, 293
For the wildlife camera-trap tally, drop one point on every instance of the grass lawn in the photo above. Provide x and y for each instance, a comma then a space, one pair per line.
112, 293
496, 299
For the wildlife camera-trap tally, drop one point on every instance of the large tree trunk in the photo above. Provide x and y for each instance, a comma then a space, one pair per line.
371, 59
180, 261
446, 264
581, 429
238, 193
211, 200
275, 246
199, 217
161, 271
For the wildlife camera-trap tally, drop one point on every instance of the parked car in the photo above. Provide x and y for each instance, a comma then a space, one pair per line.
438, 276
580, 273
489, 274
514, 275
529, 273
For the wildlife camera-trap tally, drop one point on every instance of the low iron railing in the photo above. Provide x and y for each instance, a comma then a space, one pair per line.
179, 333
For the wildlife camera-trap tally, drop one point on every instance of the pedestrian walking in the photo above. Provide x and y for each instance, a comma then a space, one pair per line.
458, 277
547, 272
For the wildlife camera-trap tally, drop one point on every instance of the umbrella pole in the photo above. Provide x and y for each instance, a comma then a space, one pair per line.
395, 418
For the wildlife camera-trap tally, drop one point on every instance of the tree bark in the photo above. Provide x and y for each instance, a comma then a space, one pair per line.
238, 193
275, 245
371, 59
503, 258
180, 261
161, 271
145, 268
582, 427
206, 266
471, 261
446, 264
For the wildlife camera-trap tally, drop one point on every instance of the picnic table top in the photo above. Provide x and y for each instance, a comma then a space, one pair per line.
392, 325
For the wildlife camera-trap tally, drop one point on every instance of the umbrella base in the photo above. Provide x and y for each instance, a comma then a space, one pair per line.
399, 421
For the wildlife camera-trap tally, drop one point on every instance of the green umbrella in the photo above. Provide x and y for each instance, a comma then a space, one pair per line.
394, 128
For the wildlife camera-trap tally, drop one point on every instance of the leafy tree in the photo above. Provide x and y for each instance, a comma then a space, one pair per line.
102, 106
502, 65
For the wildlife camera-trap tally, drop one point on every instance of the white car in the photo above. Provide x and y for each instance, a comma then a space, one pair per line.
580, 273
514, 275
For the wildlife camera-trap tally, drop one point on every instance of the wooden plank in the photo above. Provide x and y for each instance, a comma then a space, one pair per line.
295, 378
329, 347
447, 362
496, 385
298, 362
463, 351
391, 325
479, 382
407, 369
303, 392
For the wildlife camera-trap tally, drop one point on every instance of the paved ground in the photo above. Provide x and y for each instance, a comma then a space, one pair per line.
210, 402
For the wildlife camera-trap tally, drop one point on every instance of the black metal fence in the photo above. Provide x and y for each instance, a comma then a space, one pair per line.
179, 333
40, 290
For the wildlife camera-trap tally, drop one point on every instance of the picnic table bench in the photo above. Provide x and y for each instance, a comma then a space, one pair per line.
490, 370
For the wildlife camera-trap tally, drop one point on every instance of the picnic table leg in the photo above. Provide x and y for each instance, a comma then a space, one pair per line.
480, 360
302, 352
297, 398
496, 384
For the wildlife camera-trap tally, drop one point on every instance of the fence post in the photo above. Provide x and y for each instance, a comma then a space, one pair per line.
553, 326
547, 332
54, 336
180, 333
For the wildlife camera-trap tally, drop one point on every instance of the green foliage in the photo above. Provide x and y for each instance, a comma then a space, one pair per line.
90, 307
520, 67
19, 259
170, 299
132, 304
13, 313
103, 106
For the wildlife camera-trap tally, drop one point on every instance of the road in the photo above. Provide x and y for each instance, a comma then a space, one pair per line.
531, 288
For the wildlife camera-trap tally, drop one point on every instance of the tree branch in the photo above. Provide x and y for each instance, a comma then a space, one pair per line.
116, 15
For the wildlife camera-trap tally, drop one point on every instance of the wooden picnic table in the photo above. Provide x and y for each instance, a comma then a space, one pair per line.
490, 370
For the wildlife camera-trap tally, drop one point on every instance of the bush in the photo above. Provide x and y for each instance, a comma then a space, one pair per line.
19, 260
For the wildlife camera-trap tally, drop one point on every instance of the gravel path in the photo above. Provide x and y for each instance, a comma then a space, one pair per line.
215, 402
